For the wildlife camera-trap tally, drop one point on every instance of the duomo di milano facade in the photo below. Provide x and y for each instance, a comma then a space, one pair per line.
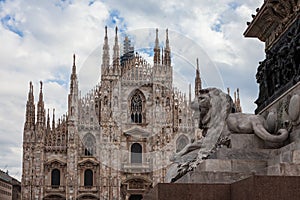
116, 141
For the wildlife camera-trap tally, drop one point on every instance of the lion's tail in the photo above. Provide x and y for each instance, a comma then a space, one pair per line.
262, 133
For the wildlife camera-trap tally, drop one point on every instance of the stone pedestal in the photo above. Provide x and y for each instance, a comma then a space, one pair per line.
245, 159
252, 188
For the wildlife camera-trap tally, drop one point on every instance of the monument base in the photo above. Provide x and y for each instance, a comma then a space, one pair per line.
252, 188
228, 165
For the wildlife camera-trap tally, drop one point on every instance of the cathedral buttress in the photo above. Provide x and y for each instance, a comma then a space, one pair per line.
72, 144
28, 141
37, 155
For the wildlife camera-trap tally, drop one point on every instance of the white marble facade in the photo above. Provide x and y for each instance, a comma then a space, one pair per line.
116, 141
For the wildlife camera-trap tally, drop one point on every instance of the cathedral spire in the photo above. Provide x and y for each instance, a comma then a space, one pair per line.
74, 66
237, 101
167, 40
40, 109
167, 52
234, 97
198, 84
105, 54
53, 119
73, 80
116, 55
156, 58
73, 96
30, 109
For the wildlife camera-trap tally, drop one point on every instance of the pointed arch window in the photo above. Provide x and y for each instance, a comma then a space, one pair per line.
89, 145
136, 108
136, 153
88, 178
55, 178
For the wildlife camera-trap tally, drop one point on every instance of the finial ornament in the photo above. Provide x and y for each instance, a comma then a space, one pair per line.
167, 40
30, 87
167, 34
156, 39
74, 66
74, 59
41, 86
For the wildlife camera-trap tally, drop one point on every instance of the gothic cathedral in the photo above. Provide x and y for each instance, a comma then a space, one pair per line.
115, 142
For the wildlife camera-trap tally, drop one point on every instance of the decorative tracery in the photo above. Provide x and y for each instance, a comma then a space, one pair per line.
136, 108
89, 145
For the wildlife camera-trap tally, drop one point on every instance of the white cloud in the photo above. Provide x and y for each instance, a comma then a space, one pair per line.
54, 30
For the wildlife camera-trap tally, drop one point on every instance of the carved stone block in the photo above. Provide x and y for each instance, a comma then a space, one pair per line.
215, 165
242, 141
296, 157
248, 165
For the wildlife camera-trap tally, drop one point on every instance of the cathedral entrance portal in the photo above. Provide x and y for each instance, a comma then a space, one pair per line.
135, 197
134, 188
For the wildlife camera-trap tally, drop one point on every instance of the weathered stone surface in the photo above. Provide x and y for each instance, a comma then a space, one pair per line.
248, 166
294, 107
212, 177
245, 153
295, 135
296, 156
242, 141
284, 169
214, 165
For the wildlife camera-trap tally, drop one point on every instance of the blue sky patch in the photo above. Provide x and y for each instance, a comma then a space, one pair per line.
91, 2
9, 22
61, 82
217, 27
148, 51
234, 5
115, 19
62, 4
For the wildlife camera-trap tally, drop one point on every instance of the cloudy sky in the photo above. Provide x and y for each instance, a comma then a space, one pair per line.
38, 39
